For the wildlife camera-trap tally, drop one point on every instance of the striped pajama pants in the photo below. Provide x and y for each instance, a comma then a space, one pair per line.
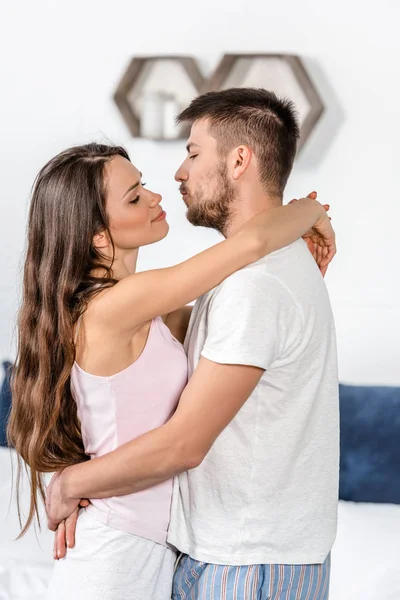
194, 580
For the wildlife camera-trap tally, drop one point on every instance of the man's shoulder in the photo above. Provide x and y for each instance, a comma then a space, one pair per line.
242, 280
272, 272
264, 272
279, 275
274, 265
254, 284
249, 282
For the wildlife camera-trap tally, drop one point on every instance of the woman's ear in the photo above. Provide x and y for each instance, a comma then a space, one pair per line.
100, 240
241, 157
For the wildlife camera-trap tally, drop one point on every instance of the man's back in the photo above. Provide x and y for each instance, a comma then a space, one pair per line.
267, 490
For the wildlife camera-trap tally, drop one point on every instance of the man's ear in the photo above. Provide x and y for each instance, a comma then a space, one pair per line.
100, 240
241, 158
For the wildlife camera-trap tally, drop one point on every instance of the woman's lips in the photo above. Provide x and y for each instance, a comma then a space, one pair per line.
160, 217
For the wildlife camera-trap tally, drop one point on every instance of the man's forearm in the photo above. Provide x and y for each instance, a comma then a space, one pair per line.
213, 396
137, 465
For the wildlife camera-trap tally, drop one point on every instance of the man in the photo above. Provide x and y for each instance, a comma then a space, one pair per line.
256, 517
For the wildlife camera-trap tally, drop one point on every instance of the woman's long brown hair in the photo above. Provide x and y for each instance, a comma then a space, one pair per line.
68, 208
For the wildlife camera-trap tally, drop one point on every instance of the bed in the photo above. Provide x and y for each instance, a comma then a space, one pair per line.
365, 559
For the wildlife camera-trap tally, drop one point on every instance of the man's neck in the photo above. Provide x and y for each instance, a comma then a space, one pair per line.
245, 209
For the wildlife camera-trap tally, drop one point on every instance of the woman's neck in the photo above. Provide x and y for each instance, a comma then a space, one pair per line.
124, 264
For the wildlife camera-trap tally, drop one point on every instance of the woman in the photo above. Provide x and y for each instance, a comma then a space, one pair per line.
97, 365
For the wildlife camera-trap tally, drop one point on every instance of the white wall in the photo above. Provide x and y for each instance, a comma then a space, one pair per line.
59, 65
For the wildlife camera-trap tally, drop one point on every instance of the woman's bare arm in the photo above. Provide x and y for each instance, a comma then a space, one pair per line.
143, 296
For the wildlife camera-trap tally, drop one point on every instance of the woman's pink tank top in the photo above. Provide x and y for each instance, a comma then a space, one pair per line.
114, 410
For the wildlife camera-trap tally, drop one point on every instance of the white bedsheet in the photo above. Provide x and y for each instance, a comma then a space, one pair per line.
25, 564
366, 555
365, 558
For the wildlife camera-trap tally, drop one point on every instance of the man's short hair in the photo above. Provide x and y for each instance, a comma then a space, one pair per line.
256, 118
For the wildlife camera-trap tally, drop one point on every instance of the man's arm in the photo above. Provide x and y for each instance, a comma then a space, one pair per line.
178, 322
213, 396
246, 320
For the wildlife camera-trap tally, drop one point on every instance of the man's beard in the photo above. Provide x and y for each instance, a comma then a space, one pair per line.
214, 212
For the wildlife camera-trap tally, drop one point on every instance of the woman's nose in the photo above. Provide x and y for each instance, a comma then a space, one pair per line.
155, 199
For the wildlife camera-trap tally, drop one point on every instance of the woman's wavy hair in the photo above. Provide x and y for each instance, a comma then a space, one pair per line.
68, 208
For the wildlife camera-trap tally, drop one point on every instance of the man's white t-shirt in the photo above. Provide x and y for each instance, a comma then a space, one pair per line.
267, 491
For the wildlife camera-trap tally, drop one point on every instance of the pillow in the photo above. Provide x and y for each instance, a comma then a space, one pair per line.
5, 402
370, 444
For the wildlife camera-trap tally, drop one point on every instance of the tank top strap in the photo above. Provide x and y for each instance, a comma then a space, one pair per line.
165, 331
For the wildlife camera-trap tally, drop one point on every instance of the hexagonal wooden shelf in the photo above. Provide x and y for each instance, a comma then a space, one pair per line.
284, 74
153, 90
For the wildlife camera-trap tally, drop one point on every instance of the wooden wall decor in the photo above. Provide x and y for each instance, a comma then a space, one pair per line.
154, 89
284, 74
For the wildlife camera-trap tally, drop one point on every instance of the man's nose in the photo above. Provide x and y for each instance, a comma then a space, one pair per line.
181, 174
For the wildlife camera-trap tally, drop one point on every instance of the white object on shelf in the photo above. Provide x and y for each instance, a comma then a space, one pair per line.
152, 115
170, 129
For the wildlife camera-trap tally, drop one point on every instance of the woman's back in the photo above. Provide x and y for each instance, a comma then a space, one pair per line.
118, 408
